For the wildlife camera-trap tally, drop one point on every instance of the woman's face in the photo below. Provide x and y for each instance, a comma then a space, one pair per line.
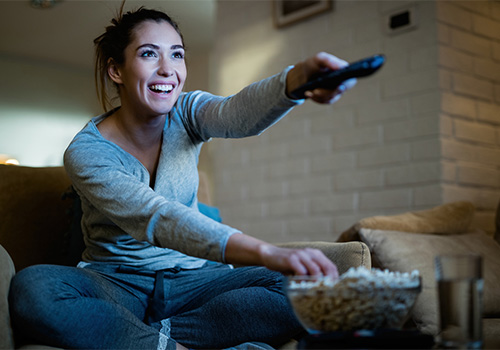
153, 74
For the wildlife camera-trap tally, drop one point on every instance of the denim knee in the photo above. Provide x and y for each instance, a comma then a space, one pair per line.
32, 297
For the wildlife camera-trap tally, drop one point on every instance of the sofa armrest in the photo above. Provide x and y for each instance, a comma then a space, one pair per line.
7, 271
344, 255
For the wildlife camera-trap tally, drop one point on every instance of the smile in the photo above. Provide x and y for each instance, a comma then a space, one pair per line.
161, 89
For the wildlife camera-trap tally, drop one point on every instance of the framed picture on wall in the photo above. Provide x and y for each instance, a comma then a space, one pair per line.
287, 12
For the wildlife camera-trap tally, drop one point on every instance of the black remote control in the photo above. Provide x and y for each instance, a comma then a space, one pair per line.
332, 79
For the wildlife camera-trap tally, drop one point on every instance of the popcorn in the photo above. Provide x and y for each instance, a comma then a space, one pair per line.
359, 299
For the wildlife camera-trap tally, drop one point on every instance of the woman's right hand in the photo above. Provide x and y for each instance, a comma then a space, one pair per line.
246, 250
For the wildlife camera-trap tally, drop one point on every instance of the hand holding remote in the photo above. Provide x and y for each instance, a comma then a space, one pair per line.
332, 79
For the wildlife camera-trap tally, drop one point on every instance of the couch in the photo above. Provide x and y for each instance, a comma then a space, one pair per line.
410, 241
39, 216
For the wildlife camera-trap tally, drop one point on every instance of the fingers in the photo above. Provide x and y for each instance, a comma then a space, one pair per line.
312, 262
325, 60
322, 62
330, 96
306, 261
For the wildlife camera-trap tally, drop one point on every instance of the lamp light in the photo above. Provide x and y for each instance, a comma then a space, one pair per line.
8, 160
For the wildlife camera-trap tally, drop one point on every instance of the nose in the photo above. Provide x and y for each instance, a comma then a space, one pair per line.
165, 69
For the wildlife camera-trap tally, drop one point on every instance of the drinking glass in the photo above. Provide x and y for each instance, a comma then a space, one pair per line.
460, 290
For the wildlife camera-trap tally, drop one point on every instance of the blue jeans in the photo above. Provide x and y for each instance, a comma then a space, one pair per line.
106, 307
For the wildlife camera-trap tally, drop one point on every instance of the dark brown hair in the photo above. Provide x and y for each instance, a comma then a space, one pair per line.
112, 43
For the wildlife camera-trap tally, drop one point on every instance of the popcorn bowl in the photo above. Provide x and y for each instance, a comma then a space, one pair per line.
360, 299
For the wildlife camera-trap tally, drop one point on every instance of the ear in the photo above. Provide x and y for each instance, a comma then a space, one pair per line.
114, 71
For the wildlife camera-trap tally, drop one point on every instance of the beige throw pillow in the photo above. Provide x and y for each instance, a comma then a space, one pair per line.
402, 251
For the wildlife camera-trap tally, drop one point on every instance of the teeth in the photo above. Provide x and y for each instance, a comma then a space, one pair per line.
163, 88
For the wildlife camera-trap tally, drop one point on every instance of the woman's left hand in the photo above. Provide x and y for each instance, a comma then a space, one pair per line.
320, 62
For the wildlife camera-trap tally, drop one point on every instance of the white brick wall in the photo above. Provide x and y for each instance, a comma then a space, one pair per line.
468, 54
423, 131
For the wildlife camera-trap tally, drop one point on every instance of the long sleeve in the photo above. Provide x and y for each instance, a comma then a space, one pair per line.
127, 222
247, 113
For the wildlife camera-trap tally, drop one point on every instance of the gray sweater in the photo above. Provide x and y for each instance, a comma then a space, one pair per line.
125, 221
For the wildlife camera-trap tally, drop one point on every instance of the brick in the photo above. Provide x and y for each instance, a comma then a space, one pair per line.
496, 51
413, 173
227, 194
470, 153
267, 230
488, 112
448, 171
290, 207
310, 229
447, 12
471, 86
265, 152
378, 156
286, 131
409, 129
445, 125
332, 162
471, 131
454, 59
248, 211
410, 83
425, 103
317, 144
443, 34
243, 175
336, 119
478, 176
458, 105
385, 199
309, 185
368, 31
385, 110
343, 222
495, 10
483, 199
288, 168
361, 136
426, 149
487, 68
427, 196
486, 27
358, 179
332, 204
266, 189
423, 57
475, 6
445, 80
470, 43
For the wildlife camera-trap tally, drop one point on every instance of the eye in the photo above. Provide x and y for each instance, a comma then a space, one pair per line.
178, 54
148, 53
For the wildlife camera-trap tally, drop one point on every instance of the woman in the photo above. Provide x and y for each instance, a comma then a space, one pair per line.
155, 271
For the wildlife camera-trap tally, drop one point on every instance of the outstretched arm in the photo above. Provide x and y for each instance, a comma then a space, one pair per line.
246, 250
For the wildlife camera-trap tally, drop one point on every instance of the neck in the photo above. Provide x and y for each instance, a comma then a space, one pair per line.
140, 132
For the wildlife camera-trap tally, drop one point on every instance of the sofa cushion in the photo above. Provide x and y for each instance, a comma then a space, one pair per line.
497, 224
210, 211
446, 219
34, 218
403, 251
6, 273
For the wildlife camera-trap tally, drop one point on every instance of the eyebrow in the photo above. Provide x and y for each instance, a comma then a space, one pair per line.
156, 47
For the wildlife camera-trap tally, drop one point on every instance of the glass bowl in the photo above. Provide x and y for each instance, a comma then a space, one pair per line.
360, 299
